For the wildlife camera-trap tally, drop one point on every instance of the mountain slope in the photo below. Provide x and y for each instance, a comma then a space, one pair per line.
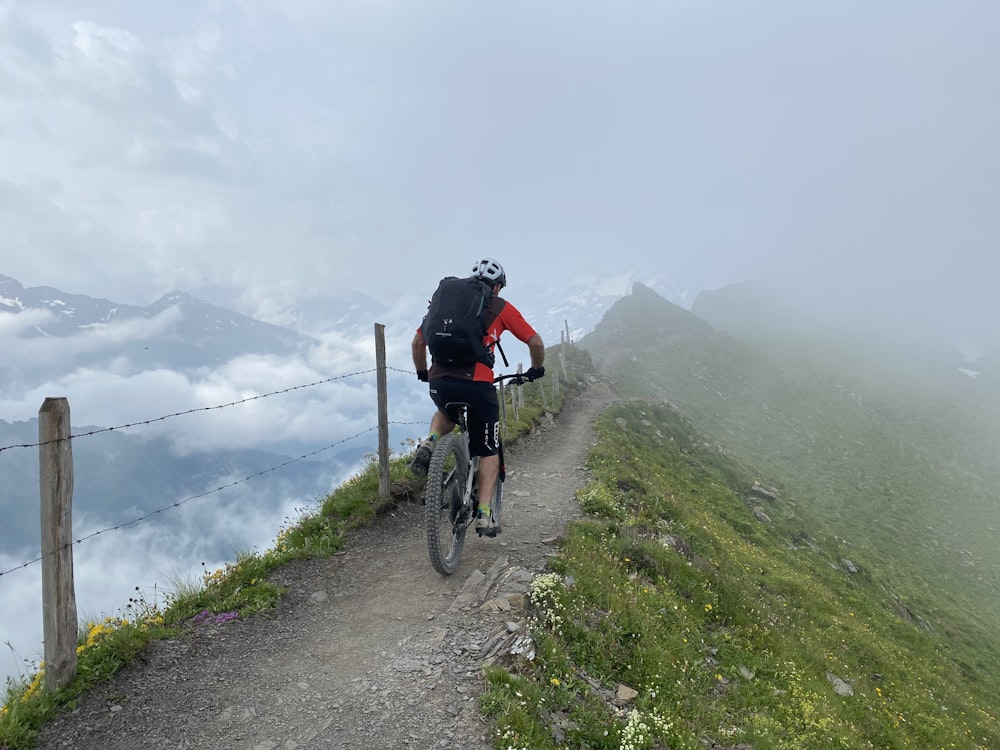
896, 471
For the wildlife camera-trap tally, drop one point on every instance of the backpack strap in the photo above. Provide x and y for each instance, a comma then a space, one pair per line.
494, 307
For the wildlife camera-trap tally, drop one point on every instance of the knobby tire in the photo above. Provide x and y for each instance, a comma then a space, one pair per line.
445, 485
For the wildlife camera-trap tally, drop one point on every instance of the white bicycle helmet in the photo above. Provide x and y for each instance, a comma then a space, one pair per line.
491, 271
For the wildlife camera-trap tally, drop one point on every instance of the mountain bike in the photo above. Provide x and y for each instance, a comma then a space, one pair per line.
453, 490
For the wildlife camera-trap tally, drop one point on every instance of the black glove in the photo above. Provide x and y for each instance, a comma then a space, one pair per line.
422, 376
534, 373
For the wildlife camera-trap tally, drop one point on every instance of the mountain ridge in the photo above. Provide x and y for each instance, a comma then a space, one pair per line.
803, 416
201, 334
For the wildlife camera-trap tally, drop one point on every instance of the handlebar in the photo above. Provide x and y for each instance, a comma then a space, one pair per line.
518, 378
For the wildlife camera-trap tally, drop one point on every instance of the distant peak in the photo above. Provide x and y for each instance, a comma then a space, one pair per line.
648, 315
175, 298
638, 288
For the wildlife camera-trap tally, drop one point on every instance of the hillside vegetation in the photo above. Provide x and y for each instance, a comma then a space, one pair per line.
690, 610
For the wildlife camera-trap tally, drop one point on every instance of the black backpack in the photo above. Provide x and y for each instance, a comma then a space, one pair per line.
454, 327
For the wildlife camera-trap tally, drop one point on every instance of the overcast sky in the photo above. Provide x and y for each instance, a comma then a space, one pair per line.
286, 148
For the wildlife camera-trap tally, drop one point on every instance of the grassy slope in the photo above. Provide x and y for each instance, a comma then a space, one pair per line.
730, 631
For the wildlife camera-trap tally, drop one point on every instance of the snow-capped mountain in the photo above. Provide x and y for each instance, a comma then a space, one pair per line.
177, 331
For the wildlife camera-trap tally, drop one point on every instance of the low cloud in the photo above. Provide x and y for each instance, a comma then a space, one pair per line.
15, 325
341, 403
141, 564
18, 333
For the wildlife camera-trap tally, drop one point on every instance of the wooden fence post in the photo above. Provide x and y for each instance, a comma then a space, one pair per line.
503, 409
512, 390
59, 625
383, 411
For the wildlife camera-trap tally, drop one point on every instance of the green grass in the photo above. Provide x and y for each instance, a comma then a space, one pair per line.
724, 626
241, 589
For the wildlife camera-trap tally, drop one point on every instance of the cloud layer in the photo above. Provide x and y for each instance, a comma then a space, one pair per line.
262, 148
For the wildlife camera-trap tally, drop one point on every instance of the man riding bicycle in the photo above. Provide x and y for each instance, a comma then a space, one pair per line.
473, 384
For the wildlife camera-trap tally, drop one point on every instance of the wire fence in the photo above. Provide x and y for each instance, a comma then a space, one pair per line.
216, 490
198, 409
56, 482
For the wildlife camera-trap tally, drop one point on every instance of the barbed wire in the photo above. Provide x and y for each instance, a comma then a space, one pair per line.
144, 423
221, 488
179, 503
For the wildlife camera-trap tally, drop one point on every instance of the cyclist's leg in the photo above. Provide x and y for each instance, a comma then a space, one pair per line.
443, 392
484, 441
441, 424
489, 469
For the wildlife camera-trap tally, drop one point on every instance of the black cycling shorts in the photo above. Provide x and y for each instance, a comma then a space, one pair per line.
484, 410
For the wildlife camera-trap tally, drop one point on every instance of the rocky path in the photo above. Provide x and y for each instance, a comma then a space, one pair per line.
369, 646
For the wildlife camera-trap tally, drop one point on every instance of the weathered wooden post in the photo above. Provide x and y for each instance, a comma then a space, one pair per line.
383, 411
59, 625
512, 389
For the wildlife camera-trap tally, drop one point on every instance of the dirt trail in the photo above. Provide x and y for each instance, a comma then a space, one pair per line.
368, 646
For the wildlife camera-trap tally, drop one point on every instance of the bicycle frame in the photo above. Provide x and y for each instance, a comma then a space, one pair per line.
452, 485
472, 462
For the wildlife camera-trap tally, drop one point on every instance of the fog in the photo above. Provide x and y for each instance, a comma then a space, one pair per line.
255, 153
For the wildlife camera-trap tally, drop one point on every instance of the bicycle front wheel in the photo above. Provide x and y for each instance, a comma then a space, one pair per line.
446, 477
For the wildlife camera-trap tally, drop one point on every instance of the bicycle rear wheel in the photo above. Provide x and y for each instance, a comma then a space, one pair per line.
446, 478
